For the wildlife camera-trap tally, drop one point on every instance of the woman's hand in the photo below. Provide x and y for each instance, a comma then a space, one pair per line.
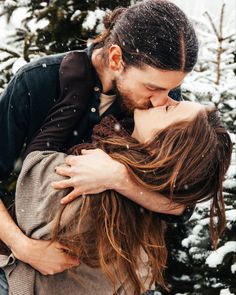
92, 172
46, 257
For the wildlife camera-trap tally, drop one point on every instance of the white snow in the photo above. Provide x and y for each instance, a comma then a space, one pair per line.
217, 256
34, 24
18, 64
183, 278
92, 18
230, 183
7, 63
233, 268
76, 15
226, 292
181, 256
231, 215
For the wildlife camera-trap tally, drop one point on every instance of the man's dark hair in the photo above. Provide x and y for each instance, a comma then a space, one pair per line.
154, 32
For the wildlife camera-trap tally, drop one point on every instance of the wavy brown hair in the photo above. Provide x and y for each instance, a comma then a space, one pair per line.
186, 162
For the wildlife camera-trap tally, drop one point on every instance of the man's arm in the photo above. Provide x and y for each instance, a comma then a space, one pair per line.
14, 115
23, 106
57, 127
95, 171
47, 258
25, 101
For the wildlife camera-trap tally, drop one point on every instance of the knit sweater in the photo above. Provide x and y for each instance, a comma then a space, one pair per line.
34, 199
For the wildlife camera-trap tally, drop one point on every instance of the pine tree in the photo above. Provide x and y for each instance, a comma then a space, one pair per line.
51, 27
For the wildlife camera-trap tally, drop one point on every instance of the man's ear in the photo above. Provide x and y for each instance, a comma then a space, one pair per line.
115, 58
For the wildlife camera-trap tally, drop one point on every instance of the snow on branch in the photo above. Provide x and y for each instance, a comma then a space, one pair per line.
217, 257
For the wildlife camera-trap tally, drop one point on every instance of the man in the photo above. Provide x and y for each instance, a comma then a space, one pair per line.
144, 53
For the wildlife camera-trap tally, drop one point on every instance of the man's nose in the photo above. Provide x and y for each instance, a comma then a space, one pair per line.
162, 100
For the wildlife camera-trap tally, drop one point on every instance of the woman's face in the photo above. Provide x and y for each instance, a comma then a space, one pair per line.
147, 122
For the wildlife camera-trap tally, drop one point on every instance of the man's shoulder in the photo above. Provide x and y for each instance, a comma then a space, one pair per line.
51, 62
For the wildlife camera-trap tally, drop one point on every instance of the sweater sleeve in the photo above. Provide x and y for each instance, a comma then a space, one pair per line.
76, 83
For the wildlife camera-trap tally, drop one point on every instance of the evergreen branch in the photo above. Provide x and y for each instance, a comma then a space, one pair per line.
4, 59
7, 64
229, 37
10, 51
2, 13
220, 48
222, 20
212, 24
229, 67
28, 41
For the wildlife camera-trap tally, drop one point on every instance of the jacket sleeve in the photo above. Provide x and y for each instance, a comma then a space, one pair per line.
24, 105
14, 117
75, 83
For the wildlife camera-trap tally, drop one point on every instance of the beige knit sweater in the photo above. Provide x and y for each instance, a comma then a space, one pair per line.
34, 197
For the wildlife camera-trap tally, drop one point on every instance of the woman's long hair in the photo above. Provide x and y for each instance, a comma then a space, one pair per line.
186, 162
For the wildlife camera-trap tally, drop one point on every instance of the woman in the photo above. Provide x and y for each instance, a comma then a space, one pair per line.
180, 151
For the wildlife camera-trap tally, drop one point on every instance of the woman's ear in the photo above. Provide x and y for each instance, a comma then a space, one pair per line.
115, 58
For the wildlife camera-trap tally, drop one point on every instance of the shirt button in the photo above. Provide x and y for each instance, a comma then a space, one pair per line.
93, 110
96, 89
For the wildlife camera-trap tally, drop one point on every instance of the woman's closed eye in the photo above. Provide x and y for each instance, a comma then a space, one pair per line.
167, 107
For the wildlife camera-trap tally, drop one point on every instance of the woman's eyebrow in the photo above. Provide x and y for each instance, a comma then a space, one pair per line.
176, 105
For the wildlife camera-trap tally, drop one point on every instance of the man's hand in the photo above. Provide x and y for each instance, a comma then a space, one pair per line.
92, 172
46, 257
95, 171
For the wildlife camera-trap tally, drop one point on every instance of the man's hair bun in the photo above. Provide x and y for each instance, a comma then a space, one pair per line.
110, 18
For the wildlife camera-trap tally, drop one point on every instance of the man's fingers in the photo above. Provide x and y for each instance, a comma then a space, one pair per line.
70, 160
87, 152
60, 246
70, 197
66, 183
72, 261
91, 151
63, 170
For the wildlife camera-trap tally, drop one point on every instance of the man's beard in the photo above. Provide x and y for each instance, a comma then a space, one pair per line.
126, 103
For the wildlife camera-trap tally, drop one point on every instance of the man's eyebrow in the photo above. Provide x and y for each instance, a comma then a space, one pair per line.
158, 87
154, 86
